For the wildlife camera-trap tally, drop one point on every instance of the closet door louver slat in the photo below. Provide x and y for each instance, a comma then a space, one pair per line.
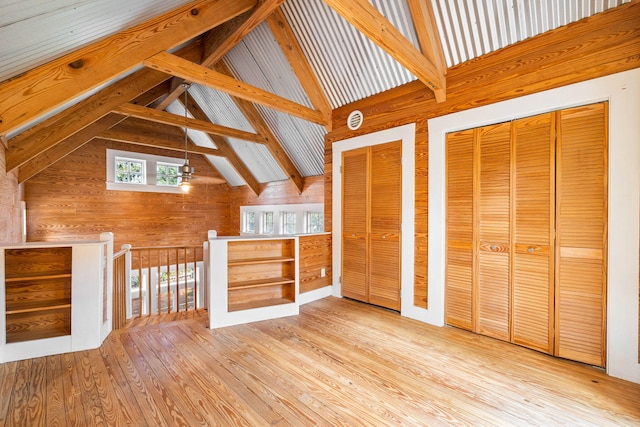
534, 202
493, 224
581, 234
459, 223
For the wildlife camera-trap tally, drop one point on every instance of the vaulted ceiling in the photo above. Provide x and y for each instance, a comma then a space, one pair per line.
265, 75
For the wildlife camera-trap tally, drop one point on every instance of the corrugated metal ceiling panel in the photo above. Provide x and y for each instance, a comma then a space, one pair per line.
219, 107
226, 170
470, 28
259, 61
302, 141
258, 160
348, 65
33, 32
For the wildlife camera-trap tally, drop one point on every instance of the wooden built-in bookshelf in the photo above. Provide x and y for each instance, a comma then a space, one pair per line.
251, 279
260, 273
37, 293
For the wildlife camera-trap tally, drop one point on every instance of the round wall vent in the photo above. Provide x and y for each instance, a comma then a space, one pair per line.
355, 119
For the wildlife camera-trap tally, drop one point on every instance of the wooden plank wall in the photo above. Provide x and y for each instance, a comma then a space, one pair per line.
10, 230
315, 254
69, 200
603, 44
274, 193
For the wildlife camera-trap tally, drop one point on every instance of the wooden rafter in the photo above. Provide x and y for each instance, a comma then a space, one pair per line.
271, 141
292, 50
226, 150
196, 73
425, 24
139, 132
78, 139
221, 39
52, 131
158, 116
366, 19
66, 147
51, 85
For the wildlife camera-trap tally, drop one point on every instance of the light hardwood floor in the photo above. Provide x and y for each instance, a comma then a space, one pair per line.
338, 363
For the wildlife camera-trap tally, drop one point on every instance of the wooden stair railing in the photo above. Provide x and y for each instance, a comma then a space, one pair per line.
157, 280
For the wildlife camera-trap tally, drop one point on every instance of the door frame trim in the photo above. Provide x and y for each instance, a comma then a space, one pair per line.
406, 134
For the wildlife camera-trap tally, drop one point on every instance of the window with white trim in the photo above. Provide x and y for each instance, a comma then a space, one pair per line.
249, 222
130, 171
267, 223
168, 174
288, 222
313, 222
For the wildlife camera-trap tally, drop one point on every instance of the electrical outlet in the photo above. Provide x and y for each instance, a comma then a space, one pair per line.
323, 272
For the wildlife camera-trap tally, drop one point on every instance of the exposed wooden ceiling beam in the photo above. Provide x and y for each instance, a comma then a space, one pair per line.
221, 39
66, 147
43, 136
425, 24
167, 137
190, 71
366, 19
254, 118
226, 150
51, 85
292, 50
158, 116
78, 139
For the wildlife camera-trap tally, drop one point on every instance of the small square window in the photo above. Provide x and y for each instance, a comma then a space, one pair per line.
168, 174
129, 171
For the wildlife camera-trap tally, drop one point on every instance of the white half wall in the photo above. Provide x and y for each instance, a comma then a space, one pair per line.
622, 90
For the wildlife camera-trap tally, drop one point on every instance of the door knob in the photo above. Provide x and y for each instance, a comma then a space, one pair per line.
531, 249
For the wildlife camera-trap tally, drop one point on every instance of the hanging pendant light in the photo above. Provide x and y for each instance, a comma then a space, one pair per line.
187, 170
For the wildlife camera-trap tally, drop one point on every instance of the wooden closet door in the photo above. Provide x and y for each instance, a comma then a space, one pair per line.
355, 184
384, 237
581, 234
533, 149
459, 223
493, 223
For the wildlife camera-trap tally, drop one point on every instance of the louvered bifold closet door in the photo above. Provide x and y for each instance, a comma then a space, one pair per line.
355, 184
581, 233
533, 149
493, 224
459, 224
385, 236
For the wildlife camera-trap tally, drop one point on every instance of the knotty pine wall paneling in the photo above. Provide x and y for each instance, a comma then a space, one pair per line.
600, 45
69, 201
10, 197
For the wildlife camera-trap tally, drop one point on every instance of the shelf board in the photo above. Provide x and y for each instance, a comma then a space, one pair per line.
38, 335
261, 260
249, 284
259, 303
33, 307
32, 277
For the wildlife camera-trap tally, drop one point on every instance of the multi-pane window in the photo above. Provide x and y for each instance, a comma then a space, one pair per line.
167, 174
249, 223
267, 223
288, 222
129, 171
314, 222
